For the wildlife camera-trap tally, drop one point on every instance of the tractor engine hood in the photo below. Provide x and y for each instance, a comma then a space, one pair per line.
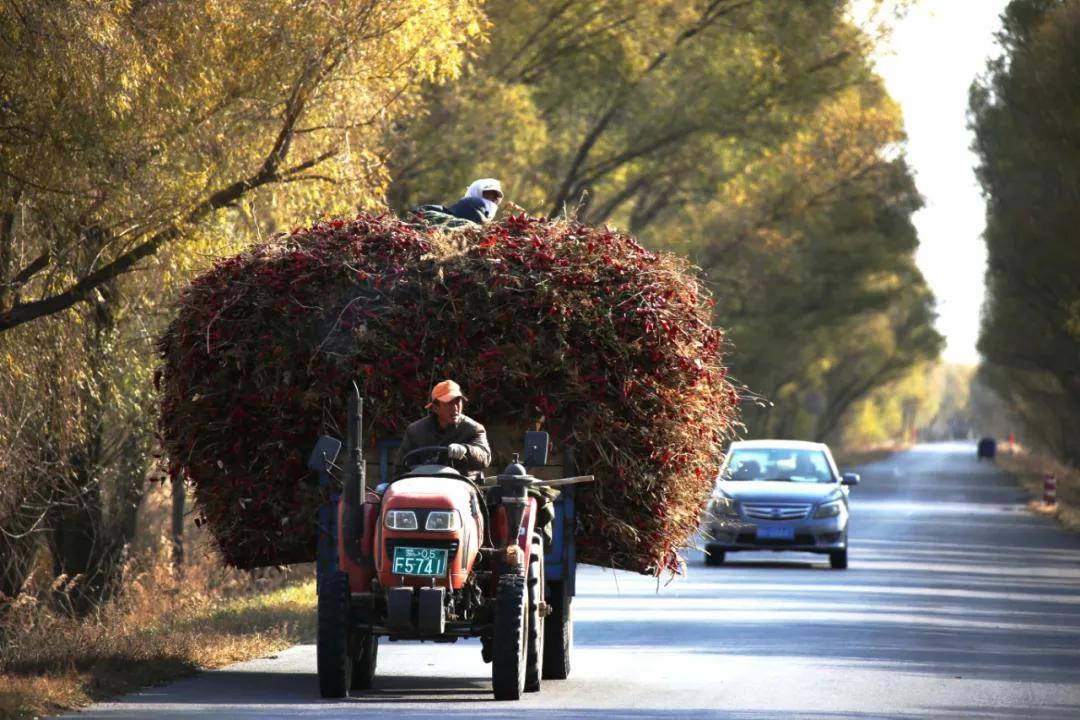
428, 492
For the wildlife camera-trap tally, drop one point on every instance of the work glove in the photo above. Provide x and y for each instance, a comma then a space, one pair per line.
455, 451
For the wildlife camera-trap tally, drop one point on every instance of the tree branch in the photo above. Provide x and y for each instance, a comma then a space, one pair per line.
312, 74
536, 34
30, 270
711, 13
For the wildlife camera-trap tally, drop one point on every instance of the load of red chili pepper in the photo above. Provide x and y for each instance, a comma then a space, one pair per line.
546, 323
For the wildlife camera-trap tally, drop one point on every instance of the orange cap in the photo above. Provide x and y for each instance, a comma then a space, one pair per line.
446, 391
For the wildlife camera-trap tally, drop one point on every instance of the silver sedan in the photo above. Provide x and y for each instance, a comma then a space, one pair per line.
779, 495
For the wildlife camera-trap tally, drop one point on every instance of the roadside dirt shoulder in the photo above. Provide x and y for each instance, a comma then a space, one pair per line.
62, 664
1030, 472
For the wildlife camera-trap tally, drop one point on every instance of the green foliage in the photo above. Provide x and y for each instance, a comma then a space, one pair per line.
817, 242
898, 410
1026, 116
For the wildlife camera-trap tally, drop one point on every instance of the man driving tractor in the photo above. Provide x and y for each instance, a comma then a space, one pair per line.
446, 425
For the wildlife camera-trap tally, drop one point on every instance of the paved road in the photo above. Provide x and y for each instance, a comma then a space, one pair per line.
958, 604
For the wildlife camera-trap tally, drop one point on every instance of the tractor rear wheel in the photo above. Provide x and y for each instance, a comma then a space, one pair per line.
508, 644
332, 639
558, 633
365, 658
534, 646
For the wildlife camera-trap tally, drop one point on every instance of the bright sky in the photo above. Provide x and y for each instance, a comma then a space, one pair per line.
938, 48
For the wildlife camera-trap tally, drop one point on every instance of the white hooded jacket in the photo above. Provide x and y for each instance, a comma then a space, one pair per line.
477, 190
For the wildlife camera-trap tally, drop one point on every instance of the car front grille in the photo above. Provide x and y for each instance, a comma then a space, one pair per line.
776, 511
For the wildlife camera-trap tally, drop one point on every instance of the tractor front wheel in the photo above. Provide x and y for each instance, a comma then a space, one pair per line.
534, 645
332, 639
509, 643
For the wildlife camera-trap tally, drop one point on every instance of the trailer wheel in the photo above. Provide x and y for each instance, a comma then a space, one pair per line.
508, 645
714, 558
558, 633
332, 641
534, 647
364, 661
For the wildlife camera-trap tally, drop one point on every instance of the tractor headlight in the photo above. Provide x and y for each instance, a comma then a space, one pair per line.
442, 520
828, 510
401, 520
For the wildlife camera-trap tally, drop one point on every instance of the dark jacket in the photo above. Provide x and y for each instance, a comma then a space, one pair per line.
469, 208
466, 432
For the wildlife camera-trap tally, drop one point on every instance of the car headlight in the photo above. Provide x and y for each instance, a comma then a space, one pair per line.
400, 520
829, 510
442, 520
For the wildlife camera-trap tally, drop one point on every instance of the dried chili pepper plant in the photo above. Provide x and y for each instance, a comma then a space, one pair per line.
547, 323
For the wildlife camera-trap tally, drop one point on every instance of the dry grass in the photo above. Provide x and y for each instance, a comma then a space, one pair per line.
1029, 470
163, 625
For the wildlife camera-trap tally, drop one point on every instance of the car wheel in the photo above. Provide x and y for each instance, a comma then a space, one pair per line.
838, 559
714, 557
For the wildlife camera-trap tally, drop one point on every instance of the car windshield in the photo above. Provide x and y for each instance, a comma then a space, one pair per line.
778, 464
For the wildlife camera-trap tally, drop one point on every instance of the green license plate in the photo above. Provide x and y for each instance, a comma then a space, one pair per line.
429, 562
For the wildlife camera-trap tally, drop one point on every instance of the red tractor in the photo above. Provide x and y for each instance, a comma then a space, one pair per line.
437, 554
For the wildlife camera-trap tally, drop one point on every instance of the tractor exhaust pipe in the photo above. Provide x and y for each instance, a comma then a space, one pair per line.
355, 480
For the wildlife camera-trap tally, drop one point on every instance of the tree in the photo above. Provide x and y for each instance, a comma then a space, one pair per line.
817, 244
1026, 118
126, 125
137, 141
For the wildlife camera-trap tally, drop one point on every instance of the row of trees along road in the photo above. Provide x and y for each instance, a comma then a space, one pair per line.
1026, 117
139, 140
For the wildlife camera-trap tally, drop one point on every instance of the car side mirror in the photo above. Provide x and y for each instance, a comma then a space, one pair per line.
849, 479
325, 453
536, 448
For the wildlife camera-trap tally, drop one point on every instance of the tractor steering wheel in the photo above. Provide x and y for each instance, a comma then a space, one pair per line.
426, 455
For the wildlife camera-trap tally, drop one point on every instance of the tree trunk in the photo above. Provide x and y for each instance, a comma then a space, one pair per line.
177, 524
87, 536
82, 551
17, 556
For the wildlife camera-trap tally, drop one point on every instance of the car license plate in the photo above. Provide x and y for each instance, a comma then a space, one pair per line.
776, 533
429, 562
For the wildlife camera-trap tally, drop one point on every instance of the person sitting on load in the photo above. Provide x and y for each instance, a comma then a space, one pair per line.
479, 205
447, 426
